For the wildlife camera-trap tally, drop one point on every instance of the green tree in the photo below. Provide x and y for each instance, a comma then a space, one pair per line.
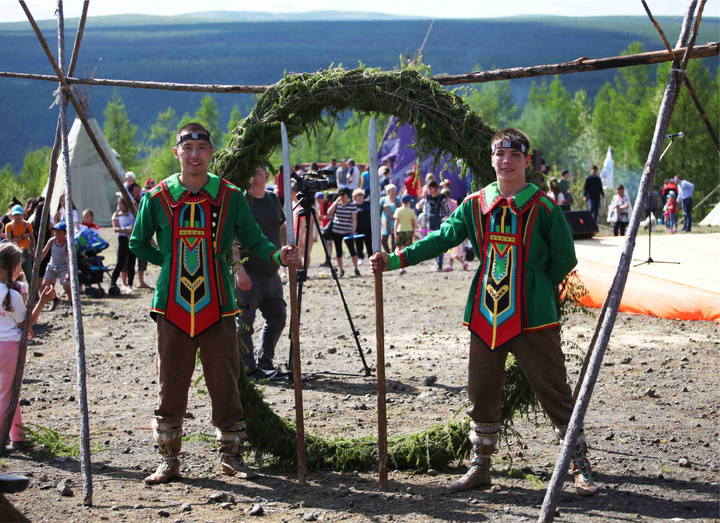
35, 171
551, 119
120, 132
495, 102
209, 116
235, 119
163, 131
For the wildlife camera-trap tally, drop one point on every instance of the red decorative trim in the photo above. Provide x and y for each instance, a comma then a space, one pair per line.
485, 207
403, 259
220, 283
166, 207
519, 210
527, 234
276, 260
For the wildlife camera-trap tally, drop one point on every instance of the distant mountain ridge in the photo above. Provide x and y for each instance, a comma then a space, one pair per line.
205, 17
177, 49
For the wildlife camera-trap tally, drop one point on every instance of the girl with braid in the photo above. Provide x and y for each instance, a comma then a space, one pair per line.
12, 318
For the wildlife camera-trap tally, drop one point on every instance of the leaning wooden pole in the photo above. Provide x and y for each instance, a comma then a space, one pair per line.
65, 86
41, 238
294, 315
686, 81
576, 421
475, 77
379, 306
85, 460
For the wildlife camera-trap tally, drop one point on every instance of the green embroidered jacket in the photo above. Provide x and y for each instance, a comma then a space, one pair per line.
194, 234
548, 250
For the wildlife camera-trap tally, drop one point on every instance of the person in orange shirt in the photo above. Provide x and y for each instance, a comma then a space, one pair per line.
20, 232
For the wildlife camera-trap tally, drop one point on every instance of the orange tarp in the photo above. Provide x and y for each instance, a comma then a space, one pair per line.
649, 295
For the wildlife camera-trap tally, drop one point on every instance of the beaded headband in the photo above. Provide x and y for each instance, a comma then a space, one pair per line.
194, 136
509, 144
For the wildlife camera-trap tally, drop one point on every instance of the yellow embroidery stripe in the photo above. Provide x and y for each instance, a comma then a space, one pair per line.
192, 232
233, 313
541, 327
505, 238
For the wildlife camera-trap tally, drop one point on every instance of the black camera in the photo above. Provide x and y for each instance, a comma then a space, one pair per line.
310, 183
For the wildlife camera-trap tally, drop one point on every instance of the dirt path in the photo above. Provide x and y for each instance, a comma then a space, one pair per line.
639, 439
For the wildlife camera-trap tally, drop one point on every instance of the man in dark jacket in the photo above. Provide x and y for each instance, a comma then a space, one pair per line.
593, 192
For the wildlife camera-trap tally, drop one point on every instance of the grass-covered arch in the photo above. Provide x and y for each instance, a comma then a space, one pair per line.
443, 123
305, 102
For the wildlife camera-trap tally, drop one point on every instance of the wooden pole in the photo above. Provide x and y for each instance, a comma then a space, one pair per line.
497, 75
294, 313
379, 306
576, 421
41, 238
686, 81
65, 86
85, 459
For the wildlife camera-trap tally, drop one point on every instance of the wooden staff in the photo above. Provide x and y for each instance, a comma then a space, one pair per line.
608, 321
476, 77
294, 313
32, 291
379, 309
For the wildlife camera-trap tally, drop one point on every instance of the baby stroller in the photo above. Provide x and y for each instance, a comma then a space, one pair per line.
89, 244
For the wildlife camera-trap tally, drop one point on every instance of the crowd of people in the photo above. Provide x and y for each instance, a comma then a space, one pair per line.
407, 214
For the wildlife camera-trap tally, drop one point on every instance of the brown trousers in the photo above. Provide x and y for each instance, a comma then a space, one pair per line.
541, 360
221, 364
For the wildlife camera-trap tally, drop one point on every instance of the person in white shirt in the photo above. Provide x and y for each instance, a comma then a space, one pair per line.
686, 191
353, 175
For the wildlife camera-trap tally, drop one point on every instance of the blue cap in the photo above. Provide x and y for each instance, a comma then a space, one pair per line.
406, 198
320, 195
17, 210
61, 226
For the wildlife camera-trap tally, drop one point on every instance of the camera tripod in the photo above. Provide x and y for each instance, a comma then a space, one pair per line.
305, 201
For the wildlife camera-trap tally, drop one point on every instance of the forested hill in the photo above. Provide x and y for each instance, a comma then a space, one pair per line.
259, 53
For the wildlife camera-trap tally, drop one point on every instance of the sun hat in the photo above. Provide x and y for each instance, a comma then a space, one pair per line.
17, 210
60, 226
406, 198
130, 174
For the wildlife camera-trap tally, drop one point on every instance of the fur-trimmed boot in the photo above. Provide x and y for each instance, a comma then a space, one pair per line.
584, 484
232, 444
169, 440
580, 467
479, 473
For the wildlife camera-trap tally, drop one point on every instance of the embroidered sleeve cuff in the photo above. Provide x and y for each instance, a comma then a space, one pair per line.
394, 262
276, 258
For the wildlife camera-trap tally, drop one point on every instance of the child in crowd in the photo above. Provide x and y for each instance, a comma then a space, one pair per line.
20, 232
123, 223
12, 319
422, 228
58, 266
88, 220
404, 225
456, 253
388, 205
671, 210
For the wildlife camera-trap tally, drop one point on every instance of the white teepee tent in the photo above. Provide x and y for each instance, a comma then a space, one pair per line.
713, 217
92, 186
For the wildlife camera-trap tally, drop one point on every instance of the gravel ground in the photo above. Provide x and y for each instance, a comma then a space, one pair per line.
652, 424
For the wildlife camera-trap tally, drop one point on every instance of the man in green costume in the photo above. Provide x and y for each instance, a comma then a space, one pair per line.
197, 216
526, 249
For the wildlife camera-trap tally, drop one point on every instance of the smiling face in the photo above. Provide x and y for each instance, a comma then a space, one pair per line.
194, 156
510, 165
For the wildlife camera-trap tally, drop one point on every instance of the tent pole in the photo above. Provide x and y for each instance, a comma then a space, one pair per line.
33, 286
608, 321
65, 86
600, 64
85, 459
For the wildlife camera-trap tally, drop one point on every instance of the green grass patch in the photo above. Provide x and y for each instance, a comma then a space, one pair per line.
50, 443
199, 436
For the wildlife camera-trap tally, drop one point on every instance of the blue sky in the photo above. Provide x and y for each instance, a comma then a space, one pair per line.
44, 9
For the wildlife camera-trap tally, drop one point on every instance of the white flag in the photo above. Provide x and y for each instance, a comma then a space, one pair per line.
608, 171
